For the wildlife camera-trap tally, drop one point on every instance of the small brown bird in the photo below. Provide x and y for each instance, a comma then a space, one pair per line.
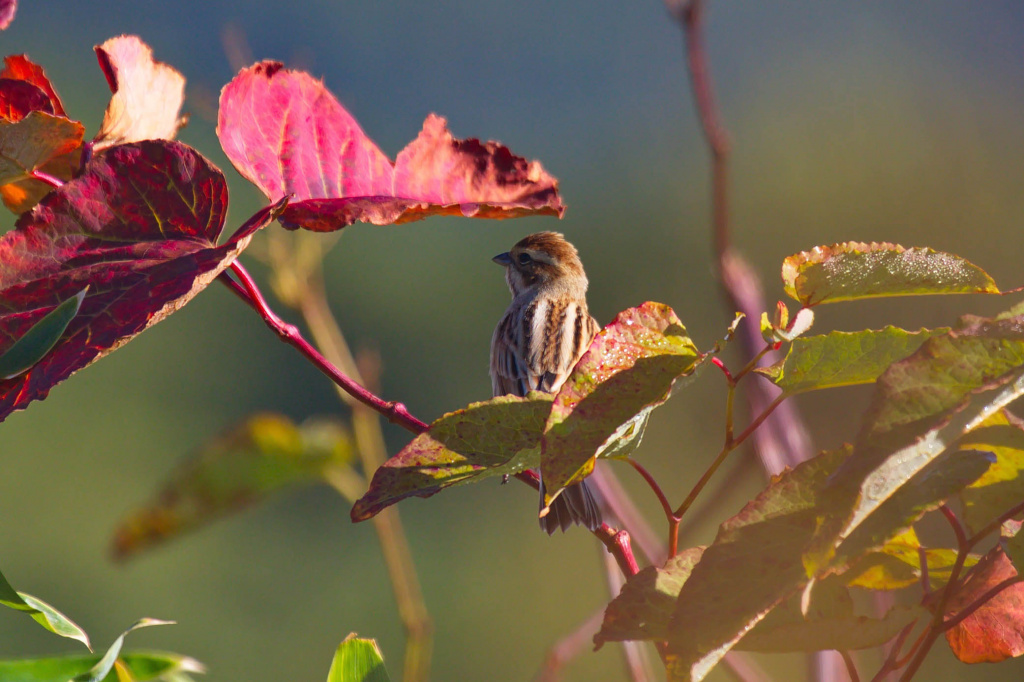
542, 336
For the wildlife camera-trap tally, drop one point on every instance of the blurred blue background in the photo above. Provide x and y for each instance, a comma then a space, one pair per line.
848, 120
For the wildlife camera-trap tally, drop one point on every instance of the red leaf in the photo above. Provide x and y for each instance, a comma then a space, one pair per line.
147, 94
144, 247
287, 134
19, 98
995, 631
20, 67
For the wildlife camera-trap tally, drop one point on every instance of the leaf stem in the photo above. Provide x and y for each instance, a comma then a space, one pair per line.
50, 180
995, 524
851, 668
673, 520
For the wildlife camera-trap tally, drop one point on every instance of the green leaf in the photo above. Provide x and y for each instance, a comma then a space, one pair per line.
843, 358
752, 566
358, 660
1001, 487
628, 371
30, 143
921, 407
144, 666
44, 614
1012, 541
491, 438
40, 338
854, 270
644, 607
106, 663
243, 466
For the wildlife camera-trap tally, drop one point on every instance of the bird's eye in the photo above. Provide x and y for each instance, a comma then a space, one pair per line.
524, 259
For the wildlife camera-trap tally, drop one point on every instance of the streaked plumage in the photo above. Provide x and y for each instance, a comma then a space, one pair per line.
543, 334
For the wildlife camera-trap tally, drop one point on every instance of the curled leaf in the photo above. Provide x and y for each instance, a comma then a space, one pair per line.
147, 94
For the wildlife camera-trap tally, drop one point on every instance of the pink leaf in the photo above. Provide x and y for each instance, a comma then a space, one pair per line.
287, 134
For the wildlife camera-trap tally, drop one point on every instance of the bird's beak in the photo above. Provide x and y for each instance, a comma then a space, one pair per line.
503, 259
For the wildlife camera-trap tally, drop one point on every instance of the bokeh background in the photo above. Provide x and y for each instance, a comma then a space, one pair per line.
857, 121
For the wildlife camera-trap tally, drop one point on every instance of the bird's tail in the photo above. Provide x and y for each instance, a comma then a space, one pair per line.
577, 504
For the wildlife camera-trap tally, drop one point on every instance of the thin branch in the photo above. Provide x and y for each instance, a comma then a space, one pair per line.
681, 511
673, 520
617, 542
995, 524
394, 412
958, 528
889, 664
851, 668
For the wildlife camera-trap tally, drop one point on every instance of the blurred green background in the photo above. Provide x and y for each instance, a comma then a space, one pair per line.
849, 121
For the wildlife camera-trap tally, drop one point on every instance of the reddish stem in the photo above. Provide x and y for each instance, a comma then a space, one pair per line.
717, 362
50, 180
617, 542
673, 520
995, 524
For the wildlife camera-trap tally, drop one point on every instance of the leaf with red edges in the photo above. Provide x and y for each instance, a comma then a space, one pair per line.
19, 98
144, 248
995, 631
20, 67
287, 134
147, 94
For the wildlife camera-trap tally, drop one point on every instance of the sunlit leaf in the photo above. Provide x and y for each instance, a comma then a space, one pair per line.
144, 248
7, 10
629, 370
147, 94
644, 607
288, 135
1002, 487
854, 270
20, 67
358, 660
843, 358
995, 631
148, 666
491, 438
106, 662
44, 614
240, 468
752, 566
897, 564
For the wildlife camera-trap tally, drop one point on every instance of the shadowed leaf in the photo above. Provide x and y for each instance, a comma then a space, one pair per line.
752, 566
106, 662
40, 338
843, 358
18, 98
995, 631
854, 270
144, 248
239, 469
287, 134
492, 438
44, 614
358, 660
644, 607
155, 666
629, 370
921, 407
147, 94
20, 67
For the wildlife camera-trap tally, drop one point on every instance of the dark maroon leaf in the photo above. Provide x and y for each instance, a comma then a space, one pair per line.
20, 67
287, 134
19, 98
143, 246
